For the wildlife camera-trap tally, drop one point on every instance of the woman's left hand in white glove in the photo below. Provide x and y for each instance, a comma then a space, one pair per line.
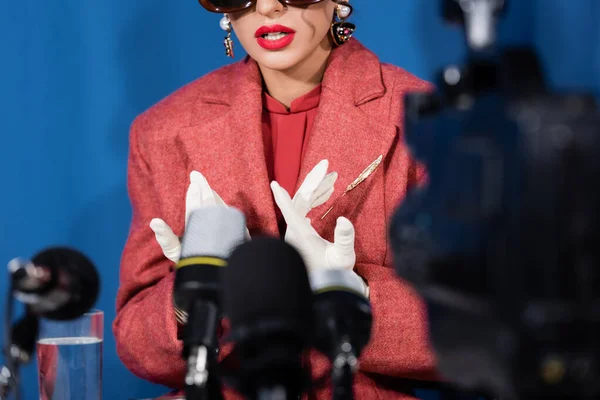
317, 252
315, 190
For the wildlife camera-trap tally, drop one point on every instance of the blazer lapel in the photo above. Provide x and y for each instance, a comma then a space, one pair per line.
243, 181
346, 134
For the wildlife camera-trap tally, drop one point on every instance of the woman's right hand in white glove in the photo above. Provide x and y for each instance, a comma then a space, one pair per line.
199, 194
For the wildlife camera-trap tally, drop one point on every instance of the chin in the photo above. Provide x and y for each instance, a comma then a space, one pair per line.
277, 60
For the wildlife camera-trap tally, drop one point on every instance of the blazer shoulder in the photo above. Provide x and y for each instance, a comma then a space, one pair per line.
175, 111
398, 79
398, 83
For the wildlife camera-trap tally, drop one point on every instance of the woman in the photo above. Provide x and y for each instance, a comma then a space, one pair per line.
306, 92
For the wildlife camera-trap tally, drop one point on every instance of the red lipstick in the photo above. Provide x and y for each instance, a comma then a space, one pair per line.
274, 37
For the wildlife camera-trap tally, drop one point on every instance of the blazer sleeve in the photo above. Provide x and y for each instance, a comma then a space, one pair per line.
399, 344
145, 327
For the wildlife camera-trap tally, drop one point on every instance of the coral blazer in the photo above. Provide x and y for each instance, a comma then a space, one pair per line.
213, 125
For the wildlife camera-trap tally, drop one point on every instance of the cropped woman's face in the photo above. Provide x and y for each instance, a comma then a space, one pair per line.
280, 37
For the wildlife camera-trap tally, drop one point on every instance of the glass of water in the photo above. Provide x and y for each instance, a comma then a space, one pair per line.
69, 355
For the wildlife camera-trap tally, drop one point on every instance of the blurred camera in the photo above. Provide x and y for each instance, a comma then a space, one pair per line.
503, 241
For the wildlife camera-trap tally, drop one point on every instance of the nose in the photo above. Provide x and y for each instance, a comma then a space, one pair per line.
269, 8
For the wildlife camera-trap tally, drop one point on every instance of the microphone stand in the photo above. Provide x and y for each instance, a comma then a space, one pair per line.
18, 352
278, 392
345, 365
19, 346
200, 342
9, 376
8, 379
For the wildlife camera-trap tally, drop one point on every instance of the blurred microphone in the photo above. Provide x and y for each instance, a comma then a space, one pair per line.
268, 300
58, 283
210, 236
343, 322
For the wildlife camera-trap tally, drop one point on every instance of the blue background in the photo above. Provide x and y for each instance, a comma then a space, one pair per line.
74, 74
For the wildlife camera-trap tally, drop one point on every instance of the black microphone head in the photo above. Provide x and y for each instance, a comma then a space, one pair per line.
83, 280
267, 282
267, 297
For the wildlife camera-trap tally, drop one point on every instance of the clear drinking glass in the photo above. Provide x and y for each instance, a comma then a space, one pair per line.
69, 356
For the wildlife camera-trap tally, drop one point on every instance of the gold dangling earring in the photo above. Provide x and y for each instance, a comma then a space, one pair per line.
225, 24
341, 31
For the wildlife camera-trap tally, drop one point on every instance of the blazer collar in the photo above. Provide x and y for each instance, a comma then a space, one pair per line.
352, 129
353, 72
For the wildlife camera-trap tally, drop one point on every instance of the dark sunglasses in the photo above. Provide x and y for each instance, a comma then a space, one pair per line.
230, 6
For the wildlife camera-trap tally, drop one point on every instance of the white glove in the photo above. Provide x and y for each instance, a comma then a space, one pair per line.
315, 190
317, 252
199, 194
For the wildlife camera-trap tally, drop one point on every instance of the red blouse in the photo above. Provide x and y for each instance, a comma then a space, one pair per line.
285, 134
